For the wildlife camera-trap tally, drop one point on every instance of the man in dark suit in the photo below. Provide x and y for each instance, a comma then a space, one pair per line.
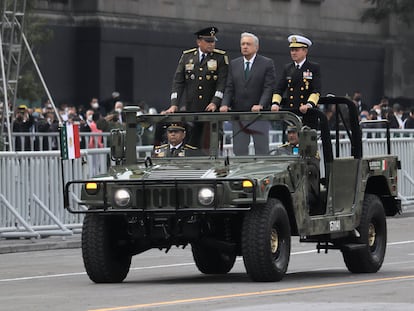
301, 80
249, 87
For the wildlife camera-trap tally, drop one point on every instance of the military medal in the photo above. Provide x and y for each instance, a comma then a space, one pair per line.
307, 75
189, 66
212, 65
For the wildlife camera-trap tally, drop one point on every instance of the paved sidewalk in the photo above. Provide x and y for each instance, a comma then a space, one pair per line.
48, 243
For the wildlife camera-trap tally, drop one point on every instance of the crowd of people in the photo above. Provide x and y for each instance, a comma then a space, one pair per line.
95, 118
205, 80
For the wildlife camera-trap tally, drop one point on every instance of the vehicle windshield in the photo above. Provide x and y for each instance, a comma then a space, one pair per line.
219, 135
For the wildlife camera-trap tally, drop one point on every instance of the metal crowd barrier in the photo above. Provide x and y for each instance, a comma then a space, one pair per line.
35, 141
31, 185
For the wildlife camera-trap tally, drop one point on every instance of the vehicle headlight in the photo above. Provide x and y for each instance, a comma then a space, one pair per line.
205, 196
122, 197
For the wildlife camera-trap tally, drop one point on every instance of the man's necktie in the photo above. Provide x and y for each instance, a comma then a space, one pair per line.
202, 57
297, 67
247, 70
172, 151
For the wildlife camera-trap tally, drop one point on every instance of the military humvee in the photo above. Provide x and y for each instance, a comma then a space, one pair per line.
225, 205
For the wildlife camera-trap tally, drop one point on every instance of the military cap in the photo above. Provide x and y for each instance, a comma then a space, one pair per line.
291, 128
175, 126
298, 41
208, 34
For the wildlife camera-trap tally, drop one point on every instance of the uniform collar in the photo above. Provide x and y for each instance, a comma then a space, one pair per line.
176, 147
201, 53
300, 64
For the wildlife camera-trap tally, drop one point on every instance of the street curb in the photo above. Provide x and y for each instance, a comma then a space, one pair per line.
17, 246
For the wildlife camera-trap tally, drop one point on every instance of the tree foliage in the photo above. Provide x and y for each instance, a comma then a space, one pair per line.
382, 9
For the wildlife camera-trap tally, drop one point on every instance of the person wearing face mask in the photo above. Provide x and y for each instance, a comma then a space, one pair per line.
97, 107
118, 114
91, 118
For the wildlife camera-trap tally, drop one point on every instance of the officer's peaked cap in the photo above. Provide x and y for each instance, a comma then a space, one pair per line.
207, 34
298, 41
291, 128
176, 126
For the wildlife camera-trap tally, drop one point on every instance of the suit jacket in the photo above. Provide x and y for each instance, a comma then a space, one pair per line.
242, 94
195, 84
302, 85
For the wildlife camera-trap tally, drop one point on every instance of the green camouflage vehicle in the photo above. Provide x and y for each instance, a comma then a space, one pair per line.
226, 206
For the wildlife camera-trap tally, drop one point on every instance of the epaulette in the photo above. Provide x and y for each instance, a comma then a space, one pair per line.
219, 51
189, 51
190, 147
284, 145
162, 146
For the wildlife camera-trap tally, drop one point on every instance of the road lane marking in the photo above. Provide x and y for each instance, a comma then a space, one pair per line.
50, 276
250, 294
159, 266
399, 243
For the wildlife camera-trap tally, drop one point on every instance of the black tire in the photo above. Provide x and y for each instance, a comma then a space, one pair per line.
266, 242
212, 261
373, 233
105, 259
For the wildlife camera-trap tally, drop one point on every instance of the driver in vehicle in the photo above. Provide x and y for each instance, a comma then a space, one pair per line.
176, 147
292, 145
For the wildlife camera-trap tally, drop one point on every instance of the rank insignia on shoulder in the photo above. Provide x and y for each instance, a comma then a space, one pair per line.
161, 146
219, 51
189, 51
190, 147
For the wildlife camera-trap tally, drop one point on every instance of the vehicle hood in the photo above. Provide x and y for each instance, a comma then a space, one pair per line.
254, 170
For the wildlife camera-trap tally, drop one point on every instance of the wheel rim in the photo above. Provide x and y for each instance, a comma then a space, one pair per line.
371, 235
274, 241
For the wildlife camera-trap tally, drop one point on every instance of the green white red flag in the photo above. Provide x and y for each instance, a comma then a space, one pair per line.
69, 142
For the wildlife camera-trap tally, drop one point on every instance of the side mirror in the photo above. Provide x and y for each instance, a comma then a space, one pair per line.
308, 145
118, 145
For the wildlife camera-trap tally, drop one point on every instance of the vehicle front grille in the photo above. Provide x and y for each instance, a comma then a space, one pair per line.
165, 197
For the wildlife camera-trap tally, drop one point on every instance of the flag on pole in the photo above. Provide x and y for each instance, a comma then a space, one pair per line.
69, 142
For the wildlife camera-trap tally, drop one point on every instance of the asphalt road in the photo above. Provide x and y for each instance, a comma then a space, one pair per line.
55, 280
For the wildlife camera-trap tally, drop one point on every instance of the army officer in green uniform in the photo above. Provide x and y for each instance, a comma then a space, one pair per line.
176, 147
200, 77
301, 80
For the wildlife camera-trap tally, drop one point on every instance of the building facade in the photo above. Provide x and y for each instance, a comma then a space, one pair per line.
133, 46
